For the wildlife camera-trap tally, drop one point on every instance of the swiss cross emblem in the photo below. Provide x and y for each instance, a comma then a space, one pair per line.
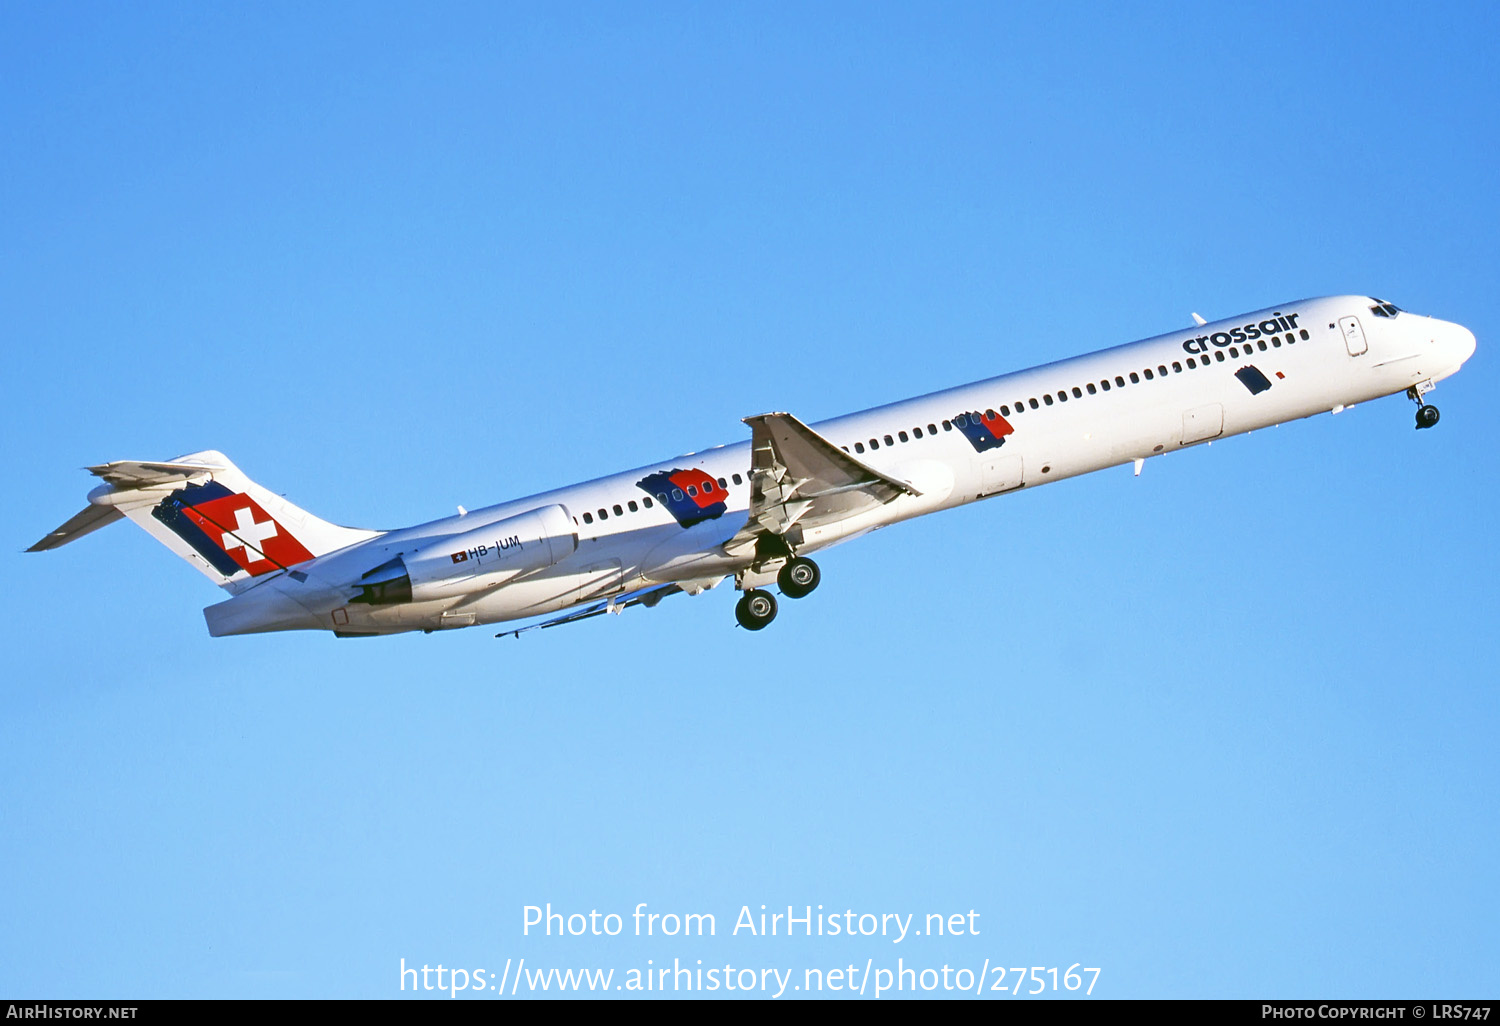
248, 534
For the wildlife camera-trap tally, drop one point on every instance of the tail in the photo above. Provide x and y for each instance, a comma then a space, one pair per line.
204, 509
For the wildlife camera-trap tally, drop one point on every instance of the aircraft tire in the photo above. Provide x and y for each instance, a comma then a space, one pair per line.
1427, 416
755, 609
799, 577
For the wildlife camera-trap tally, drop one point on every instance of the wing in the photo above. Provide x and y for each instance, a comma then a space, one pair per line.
647, 597
798, 477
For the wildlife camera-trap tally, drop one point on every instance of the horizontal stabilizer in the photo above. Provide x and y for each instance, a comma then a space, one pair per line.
135, 474
90, 519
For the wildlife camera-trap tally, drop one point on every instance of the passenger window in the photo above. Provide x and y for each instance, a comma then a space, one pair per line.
1005, 411
1162, 370
904, 437
1303, 333
1135, 379
633, 507
1034, 403
725, 484
859, 446
961, 420
1105, 383
1289, 339
736, 479
1234, 353
677, 494
917, 432
1191, 363
990, 414
1062, 397
1147, 373
1276, 341
692, 490
947, 425
1046, 399
663, 497
1176, 368
588, 518
1120, 382
932, 429
1092, 389
874, 445
888, 440
647, 501
1219, 355
1262, 344
604, 514
1076, 393
619, 511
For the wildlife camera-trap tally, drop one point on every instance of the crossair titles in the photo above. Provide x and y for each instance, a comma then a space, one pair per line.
1244, 333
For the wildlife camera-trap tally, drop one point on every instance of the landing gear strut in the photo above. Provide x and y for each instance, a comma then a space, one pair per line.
1427, 415
798, 577
756, 609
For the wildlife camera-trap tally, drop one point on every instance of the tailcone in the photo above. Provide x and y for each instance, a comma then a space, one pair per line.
259, 611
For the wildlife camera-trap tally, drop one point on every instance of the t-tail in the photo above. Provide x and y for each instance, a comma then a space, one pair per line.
202, 507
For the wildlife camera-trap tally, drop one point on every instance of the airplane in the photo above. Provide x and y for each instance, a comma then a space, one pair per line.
756, 510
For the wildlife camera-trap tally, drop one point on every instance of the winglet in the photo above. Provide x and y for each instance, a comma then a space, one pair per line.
1198, 320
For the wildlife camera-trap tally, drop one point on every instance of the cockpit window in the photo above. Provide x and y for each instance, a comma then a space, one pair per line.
1384, 309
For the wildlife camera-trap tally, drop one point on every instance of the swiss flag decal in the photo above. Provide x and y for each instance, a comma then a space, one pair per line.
247, 533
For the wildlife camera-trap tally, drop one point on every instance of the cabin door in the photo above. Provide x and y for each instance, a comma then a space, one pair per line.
1354, 336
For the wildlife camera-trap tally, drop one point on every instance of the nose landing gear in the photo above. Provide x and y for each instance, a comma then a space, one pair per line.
1427, 415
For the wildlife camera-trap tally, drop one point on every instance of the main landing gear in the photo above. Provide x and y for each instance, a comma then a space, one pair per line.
756, 609
796, 579
1427, 415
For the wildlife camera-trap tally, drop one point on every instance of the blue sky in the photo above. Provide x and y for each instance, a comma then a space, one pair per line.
1223, 731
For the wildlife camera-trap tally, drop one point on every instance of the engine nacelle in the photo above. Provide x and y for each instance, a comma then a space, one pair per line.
481, 558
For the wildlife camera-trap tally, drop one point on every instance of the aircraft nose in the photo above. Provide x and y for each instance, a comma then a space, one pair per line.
1465, 342
1454, 342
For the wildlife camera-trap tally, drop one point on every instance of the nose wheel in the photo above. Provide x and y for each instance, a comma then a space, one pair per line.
1427, 414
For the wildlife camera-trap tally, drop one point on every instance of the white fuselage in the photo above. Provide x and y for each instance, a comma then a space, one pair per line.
1064, 419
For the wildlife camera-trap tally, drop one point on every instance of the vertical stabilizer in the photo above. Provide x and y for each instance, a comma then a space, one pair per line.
202, 507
